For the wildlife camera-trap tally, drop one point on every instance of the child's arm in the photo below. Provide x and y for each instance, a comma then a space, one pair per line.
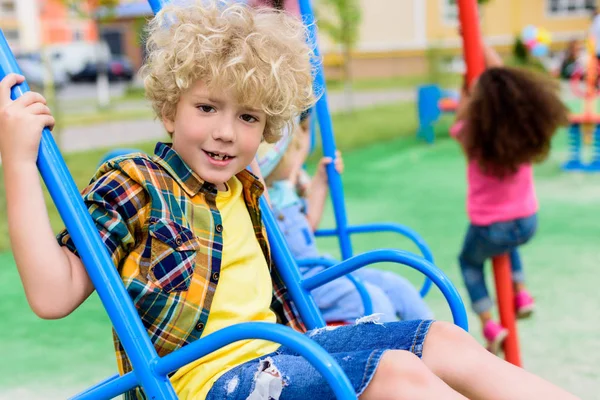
319, 188
492, 58
54, 279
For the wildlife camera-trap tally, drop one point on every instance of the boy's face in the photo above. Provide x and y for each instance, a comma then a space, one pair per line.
213, 134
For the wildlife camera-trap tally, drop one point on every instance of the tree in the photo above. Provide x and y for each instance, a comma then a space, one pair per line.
84, 7
340, 20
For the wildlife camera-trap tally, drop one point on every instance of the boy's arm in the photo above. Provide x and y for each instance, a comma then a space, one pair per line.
55, 282
54, 279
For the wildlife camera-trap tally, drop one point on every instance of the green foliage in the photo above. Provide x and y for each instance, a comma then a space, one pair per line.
521, 57
344, 28
86, 8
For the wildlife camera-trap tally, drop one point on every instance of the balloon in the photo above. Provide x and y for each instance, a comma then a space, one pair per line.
543, 36
540, 50
530, 32
531, 44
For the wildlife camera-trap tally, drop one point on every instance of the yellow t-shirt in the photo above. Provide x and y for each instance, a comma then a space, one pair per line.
243, 295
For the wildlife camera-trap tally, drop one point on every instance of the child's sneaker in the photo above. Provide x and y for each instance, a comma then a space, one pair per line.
495, 334
524, 304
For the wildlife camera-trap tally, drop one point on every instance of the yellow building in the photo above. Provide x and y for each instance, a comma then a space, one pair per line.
395, 35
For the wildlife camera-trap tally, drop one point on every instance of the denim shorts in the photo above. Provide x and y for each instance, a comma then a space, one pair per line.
357, 349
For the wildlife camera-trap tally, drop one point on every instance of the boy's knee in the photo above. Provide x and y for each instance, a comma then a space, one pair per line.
401, 372
448, 347
447, 333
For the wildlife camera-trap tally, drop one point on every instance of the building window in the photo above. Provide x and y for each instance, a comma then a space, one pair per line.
569, 7
78, 35
449, 11
11, 35
8, 9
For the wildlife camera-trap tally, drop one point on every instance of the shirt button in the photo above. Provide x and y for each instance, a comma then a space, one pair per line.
280, 217
178, 241
199, 326
219, 228
215, 276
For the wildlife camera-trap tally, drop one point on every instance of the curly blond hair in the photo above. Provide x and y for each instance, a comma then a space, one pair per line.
260, 55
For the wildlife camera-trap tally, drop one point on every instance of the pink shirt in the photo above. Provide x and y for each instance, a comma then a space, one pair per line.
491, 199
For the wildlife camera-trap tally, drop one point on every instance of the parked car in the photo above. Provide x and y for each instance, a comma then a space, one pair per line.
74, 56
34, 71
119, 68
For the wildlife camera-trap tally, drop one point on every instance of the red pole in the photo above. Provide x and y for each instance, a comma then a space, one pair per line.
471, 35
506, 307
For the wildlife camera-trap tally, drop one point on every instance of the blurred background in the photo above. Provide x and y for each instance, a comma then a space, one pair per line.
378, 55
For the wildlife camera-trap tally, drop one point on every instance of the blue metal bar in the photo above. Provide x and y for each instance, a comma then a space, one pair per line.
311, 351
156, 5
357, 282
594, 166
574, 163
283, 258
391, 227
92, 251
327, 137
440, 279
109, 388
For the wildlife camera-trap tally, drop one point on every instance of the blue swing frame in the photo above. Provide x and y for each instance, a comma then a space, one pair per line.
343, 230
149, 370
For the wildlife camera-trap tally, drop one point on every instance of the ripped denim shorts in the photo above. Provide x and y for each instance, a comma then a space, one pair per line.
285, 375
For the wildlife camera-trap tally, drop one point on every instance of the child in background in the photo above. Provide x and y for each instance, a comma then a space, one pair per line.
184, 230
505, 122
297, 201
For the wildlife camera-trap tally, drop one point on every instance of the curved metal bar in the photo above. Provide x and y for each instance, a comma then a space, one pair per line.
92, 251
391, 227
311, 351
357, 282
109, 388
459, 313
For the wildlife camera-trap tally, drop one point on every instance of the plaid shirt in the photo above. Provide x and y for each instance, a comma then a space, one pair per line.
161, 226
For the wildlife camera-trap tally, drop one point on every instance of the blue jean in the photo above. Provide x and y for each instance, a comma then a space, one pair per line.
484, 242
285, 375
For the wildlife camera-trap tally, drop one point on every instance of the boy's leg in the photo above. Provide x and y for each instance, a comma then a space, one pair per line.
357, 348
404, 296
402, 375
454, 356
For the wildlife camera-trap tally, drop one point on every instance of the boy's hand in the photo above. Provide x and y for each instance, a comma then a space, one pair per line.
325, 161
21, 122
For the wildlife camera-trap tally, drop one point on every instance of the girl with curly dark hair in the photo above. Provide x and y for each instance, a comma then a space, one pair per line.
505, 122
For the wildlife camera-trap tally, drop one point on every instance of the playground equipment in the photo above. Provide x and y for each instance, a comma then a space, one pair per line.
585, 127
151, 371
467, 11
432, 102
342, 229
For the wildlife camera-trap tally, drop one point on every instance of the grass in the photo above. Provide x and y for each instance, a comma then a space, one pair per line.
105, 115
390, 176
396, 82
399, 180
